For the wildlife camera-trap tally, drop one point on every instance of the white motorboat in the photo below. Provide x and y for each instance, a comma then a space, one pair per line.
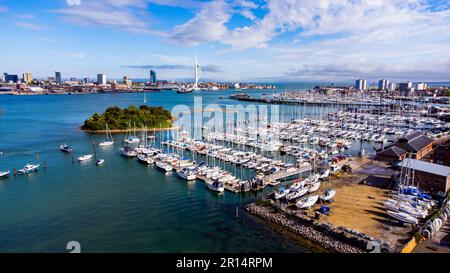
328, 195
4, 175
85, 157
187, 174
307, 202
163, 166
29, 168
215, 186
65, 148
403, 216
99, 162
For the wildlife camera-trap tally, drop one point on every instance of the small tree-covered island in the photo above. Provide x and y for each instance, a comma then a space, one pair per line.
122, 119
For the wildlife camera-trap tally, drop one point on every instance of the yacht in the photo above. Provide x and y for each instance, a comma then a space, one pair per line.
403, 217
4, 175
85, 157
307, 202
187, 174
281, 192
296, 194
314, 187
29, 168
132, 140
215, 186
109, 139
145, 159
163, 166
128, 152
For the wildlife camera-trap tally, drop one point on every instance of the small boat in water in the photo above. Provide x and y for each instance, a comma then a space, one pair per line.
128, 152
132, 140
109, 139
215, 186
29, 168
99, 162
4, 175
65, 148
307, 202
85, 157
163, 166
145, 159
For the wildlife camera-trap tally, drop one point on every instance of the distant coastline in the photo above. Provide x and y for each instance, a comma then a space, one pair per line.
121, 131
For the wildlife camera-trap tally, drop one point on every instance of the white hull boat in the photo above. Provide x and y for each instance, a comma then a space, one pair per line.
29, 168
215, 186
281, 193
402, 216
85, 157
307, 202
296, 194
187, 175
314, 187
4, 175
164, 166
327, 195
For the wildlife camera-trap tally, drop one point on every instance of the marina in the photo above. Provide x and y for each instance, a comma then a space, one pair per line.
293, 160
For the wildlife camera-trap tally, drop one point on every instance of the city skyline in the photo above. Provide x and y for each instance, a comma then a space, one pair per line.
235, 40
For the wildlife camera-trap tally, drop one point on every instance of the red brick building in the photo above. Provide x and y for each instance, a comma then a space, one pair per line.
430, 177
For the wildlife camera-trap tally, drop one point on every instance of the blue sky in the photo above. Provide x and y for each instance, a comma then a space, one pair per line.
235, 40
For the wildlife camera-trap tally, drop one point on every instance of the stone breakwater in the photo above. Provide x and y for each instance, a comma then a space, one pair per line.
339, 240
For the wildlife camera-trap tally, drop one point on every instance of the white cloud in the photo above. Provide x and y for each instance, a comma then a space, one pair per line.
27, 25
3, 9
208, 25
69, 54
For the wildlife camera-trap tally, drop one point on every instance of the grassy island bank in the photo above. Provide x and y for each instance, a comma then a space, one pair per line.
120, 120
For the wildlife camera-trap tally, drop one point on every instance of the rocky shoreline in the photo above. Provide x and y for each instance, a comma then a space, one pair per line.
323, 235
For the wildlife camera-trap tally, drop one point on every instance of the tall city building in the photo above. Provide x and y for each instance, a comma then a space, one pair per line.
383, 85
10, 78
361, 84
27, 77
101, 79
153, 79
392, 87
406, 89
58, 77
421, 86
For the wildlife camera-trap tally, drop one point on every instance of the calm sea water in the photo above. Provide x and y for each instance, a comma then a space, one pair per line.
120, 207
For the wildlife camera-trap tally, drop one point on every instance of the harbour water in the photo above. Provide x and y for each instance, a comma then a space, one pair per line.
119, 207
